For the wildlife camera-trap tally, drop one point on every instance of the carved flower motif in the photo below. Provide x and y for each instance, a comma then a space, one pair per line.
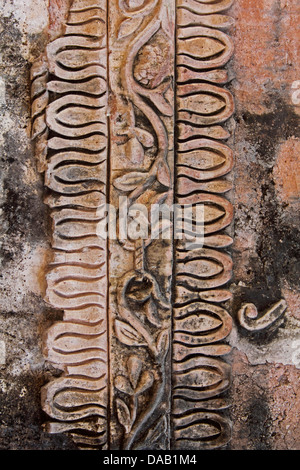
138, 382
152, 64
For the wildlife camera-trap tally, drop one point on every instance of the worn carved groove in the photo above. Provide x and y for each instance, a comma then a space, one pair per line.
131, 102
69, 92
200, 374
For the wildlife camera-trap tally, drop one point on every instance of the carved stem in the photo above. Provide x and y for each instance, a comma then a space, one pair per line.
146, 416
130, 317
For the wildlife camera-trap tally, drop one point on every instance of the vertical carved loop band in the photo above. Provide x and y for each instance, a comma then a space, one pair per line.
141, 341
69, 86
200, 375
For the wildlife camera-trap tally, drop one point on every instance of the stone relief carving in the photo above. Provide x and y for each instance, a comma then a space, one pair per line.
199, 373
141, 342
69, 87
251, 321
142, 111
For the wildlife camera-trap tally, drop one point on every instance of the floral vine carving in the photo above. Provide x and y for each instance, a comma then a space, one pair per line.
136, 95
142, 310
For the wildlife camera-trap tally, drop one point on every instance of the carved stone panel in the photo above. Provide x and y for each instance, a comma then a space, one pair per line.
130, 111
69, 111
141, 103
201, 324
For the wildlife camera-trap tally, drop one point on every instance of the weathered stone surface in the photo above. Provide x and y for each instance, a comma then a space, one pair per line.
149, 344
266, 246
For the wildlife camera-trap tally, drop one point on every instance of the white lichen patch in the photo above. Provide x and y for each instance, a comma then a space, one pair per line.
31, 177
2, 92
284, 348
31, 17
26, 277
6, 125
3, 386
2, 353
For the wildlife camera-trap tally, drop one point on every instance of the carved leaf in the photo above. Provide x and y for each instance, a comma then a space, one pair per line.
134, 365
166, 24
140, 290
163, 175
124, 414
159, 429
128, 335
129, 26
144, 137
122, 384
162, 104
152, 313
146, 382
163, 341
158, 198
129, 181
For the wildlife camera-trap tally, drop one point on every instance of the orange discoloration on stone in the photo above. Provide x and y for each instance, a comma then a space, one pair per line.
287, 172
58, 11
266, 51
292, 297
245, 253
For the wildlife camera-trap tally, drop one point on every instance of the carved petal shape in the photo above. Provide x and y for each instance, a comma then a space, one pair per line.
204, 159
129, 181
201, 104
214, 47
197, 323
201, 377
218, 211
188, 18
210, 429
205, 7
202, 268
201, 159
186, 186
74, 57
202, 47
128, 335
129, 26
123, 414
198, 378
217, 316
122, 384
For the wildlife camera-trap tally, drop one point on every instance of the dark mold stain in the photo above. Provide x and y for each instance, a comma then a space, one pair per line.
259, 419
278, 247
